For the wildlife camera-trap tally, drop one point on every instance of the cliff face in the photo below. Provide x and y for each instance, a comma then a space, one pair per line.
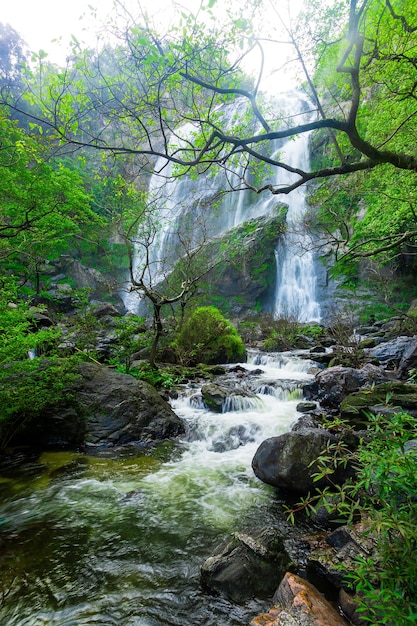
244, 280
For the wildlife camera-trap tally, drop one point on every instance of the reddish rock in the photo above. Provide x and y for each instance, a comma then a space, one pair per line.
298, 603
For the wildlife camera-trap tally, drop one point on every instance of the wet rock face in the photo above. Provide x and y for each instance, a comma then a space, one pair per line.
249, 278
390, 353
333, 384
107, 409
246, 565
408, 360
121, 409
287, 461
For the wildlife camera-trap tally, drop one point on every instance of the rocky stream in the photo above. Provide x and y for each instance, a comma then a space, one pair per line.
153, 512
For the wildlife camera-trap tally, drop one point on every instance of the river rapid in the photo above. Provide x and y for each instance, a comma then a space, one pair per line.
118, 539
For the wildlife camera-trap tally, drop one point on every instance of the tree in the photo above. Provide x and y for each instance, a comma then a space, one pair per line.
164, 282
184, 71
42, 205
362, 85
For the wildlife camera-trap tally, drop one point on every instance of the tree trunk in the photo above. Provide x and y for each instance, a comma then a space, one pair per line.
157, 321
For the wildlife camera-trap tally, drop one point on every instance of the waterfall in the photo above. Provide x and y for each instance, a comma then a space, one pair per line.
193, 209
295, 293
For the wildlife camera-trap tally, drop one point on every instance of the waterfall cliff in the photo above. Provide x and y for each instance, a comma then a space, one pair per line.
189, 210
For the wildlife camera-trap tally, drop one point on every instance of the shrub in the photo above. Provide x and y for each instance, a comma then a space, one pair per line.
208, 337
131, 336
157, 377
27, 386
279, 334
383, 494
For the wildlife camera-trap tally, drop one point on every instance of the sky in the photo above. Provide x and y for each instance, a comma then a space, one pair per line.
42, 22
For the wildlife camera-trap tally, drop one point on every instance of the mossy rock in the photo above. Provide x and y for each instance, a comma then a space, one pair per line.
368, 343
392, 396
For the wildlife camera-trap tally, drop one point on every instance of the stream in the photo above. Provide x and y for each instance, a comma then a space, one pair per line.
118, 539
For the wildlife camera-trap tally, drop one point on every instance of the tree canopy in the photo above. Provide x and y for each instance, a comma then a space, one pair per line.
146, 87
185, 96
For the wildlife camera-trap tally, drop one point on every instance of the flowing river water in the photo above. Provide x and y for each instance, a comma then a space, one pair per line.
119, 539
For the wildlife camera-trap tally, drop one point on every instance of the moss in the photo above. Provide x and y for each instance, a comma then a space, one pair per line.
357, 406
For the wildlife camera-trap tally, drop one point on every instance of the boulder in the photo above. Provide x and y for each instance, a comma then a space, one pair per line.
298, 603
391, 352
333, 384
40, 320
246, 565
306, 407
214, 397
87, 277
349, 605
384, 398
102, 310
222, 399
408, 359
105, 409
342, 547
289, 460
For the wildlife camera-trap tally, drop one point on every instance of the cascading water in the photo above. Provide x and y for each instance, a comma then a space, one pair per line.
295, 293
119, 539
188, 203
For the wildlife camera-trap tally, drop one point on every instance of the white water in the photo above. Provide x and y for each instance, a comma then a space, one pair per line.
191, 210
295, 293
120, 540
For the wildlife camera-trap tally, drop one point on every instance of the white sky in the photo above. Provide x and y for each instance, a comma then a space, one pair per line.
40, 22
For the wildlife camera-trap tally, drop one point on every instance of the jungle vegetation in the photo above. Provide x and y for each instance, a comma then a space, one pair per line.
78, 143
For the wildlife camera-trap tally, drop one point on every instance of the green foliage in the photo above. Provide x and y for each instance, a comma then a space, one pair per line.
43, 205
27, 386
18, 334
279, 334
159, 378
315, 331
368, 213
389, 479
383, 495
208, 337
131, 336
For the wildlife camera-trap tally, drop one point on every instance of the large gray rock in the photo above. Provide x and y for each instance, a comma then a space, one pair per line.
343, 546
247, 565
289, 460
335, 383
214, 397
105, 409
386, 398
87, 277
222, 399
391, 352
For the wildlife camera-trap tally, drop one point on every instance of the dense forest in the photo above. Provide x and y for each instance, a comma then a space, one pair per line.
79, 144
